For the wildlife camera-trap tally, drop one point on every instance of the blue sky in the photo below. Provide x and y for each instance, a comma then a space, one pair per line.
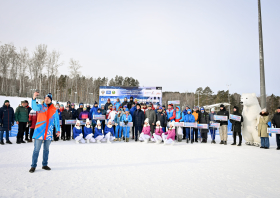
179, 44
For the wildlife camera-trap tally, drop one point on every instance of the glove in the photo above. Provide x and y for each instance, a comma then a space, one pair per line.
29, 123
125, 122
81, 134
12, 123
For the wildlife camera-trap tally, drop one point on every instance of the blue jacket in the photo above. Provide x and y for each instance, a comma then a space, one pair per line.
97, 132
7, 118
171, 114
59, 114
107, 130
138, 117
87, 131
132, 110
188, 117
74, 113
77, 132
118, 104
178, 115
124, 118
118, 119
93, 111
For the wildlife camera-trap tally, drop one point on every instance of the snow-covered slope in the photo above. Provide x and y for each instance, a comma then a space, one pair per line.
141, 170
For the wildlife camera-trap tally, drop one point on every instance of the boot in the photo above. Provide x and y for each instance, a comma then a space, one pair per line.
32, 170
192, 141
64, 139
187, 141
278, 148
233, 143
116, 139
213, 142
225, 143
2, 142
30, 140
88, 141
119, 139
222, 142
46, 168
108, 141
127, 140
8, 142
239, 144
98, 141
22, 141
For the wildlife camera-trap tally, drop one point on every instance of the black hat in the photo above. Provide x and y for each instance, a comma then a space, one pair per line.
131, 97
235, 107
222, 105
27, 101
163, 106
138, 105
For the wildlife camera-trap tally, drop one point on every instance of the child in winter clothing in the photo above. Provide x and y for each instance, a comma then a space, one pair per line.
109, 133
78, 133
169, 136
118, 131
98, 132
125, 119
262, 129
146, 132
158, 132
88, 132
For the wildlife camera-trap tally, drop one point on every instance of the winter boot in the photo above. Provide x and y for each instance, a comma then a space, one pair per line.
2, 142
222, 142
127, 140
8, 142
192, 141
239, 144
30, 140
77, 142
225, 142
18, 141
213, 142
116, 139
172, 143
146, 141
88, 141
187, 141
278, 148
233, 143
108, 141
46, 168
32, 170
98, 141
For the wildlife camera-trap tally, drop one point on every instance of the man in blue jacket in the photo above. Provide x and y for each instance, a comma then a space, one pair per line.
138, 120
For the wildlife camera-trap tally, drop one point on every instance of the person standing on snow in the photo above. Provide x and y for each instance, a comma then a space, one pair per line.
196, 115
21, 117
151, 115
7, 118
66, 115
32, 123
276, 124
124, 102
236, 126
223, 125
27, 126
108, 103
204, 119
212, 130
189, 118
161, 116
171, 114
47, 119
117, 104
129, 105
93, 110
138, 120
262, 129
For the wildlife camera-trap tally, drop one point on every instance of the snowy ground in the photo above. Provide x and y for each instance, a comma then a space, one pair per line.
141, 170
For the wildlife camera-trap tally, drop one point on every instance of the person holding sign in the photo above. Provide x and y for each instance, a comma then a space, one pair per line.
203, 119
223, 125
212, 129
188, 118
262, 129
276, 124
236, 126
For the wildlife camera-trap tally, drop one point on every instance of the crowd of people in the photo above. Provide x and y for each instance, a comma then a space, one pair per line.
149, 124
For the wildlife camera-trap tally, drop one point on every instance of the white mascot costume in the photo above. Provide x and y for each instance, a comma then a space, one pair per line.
251, 116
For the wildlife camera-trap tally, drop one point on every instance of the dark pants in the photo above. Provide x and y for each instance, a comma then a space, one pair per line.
152, 129
54, 135
239, 135
195, 131
62, 131
26, 133
278, 140
204, 136
138, 129
67, 129
1, 135
31, 133
21, 130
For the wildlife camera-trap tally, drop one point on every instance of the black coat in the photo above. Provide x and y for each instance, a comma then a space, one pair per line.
162, 118
203, 118
129, 105
236, 126
276, 120
223, 112
74, 113
80, 110
66, 115
7, 118
106, 106
138, 117
124, 103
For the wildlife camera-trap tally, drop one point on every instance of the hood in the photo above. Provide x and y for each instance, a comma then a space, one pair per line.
178, 108
4, 106
237, 110
189, 110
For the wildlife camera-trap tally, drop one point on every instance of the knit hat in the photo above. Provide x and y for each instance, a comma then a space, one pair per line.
108, 99
87, 120
131, 97
77, 122
6, 101
125, 106
72, 104
222, 105
126, 109
26, 101
81, 104
202, 109
158, 123
213, 109
62, 105
49, 95
163, 106
149, 105
95, 102
98, 122
98, 109
120, 109
160, 108
172, 123
138, 105
263, 110
146, 120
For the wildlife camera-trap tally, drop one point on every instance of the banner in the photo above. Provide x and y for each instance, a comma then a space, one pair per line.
113, 122
190, 124
73, 122
273, 130
177, 124
174, 102
98, 117
235, 117
215, 125
142, 94
221, 118
129, 124
202, 126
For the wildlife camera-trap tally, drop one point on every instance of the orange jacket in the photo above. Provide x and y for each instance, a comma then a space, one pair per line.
195, 114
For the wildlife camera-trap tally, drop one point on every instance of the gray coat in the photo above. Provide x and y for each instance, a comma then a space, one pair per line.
151, 114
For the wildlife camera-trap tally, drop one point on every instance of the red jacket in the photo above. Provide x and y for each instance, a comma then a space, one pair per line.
33, 119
